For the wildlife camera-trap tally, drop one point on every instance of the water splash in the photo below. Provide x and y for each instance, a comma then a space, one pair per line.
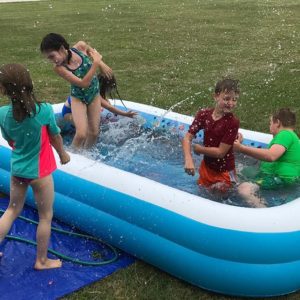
157, 154
174, 106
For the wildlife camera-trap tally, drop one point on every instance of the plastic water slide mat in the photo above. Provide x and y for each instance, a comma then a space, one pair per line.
19, 280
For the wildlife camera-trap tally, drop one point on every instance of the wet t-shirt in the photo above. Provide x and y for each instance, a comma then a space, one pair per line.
224, 130
288, 165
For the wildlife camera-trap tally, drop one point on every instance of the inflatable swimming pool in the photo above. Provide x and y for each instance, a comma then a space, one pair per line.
227, 249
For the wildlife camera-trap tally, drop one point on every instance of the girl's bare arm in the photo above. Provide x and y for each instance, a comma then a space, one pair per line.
86, 80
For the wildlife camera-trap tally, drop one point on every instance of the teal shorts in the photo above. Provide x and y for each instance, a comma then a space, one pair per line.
265, 181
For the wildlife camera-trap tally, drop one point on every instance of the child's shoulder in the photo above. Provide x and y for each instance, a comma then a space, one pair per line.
286, 134
81, 46
4, 109
44, 106
232, 117
231, 120
44, 110
204, 111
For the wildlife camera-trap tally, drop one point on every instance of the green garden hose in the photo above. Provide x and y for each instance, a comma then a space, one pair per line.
62, 256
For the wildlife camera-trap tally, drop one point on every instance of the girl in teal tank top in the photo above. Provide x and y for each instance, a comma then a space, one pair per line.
78, 66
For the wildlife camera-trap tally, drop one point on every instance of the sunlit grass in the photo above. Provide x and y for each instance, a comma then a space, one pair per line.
165, 51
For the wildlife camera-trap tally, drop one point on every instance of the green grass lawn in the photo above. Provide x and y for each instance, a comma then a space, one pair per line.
163, 52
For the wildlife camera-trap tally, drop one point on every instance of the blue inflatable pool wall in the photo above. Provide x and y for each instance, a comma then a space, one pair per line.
226, 249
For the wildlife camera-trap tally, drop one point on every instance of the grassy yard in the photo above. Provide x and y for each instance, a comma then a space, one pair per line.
163, 52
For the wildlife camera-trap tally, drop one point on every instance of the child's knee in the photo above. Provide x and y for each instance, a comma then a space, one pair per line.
45, 213
247, 188
81, 135
13, 211
46, 217
94, 132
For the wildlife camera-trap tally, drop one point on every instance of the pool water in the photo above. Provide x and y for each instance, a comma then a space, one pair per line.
156, 153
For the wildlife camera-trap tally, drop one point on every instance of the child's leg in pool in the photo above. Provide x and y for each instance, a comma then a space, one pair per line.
79, 115
93, 115
248, 191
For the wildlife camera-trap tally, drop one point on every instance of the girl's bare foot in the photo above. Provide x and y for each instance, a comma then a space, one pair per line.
47, 264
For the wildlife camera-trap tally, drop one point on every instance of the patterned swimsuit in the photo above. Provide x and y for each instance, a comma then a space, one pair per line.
86, 95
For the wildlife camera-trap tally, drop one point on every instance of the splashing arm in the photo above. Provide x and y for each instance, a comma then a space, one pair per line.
106, 104
270, 155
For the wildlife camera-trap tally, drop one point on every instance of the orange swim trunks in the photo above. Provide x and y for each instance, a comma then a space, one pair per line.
216, 180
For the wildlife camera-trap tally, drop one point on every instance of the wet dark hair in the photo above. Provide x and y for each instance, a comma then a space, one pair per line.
108, 86
53, 42
17, 85
227, 85
286, 117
